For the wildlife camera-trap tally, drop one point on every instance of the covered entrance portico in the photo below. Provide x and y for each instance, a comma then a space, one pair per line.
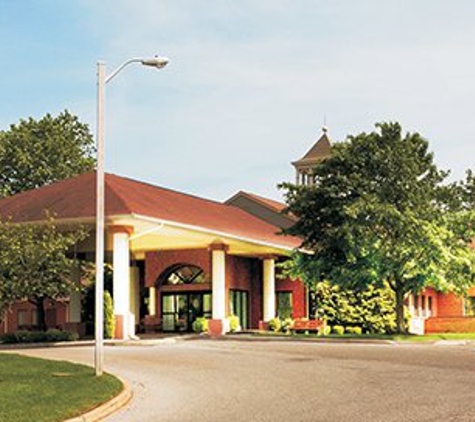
190, 272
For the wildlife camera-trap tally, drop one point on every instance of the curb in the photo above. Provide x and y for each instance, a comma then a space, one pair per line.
108, 408
86, 343
307, 340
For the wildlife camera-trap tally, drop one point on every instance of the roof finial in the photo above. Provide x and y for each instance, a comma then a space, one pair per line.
325, 128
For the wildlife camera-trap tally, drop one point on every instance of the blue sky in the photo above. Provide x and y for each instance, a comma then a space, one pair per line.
248, 82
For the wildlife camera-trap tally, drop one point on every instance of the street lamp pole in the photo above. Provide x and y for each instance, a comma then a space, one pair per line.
158, 63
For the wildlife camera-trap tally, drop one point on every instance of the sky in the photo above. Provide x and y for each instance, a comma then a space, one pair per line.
248, 84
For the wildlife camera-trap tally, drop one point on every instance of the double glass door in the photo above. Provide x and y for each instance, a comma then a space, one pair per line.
180, 310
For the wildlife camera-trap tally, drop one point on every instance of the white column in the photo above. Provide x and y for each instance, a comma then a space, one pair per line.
152, 301
219, 284
121, 283
268, 280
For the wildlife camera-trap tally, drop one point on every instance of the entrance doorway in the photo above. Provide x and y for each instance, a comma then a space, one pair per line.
180, 310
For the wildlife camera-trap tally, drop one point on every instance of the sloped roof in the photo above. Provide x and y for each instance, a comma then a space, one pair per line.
267, 202
320, 150
74, 198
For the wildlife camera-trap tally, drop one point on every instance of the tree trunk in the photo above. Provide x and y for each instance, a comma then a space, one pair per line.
41, 314
400, 323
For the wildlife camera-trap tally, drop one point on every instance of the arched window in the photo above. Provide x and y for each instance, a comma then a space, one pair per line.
184, 274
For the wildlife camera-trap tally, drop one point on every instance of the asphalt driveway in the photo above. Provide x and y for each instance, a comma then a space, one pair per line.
203, 380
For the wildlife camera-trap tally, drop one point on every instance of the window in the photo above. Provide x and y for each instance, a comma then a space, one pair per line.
184, 274
284, 305
238, 306
469, 303
429, 303
23, 318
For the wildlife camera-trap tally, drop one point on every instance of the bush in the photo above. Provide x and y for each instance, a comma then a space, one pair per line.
52, 335
287, 324
371, 309
275, 324
338, 330
109, 318
200, 325
325, 330
354, 330
234, 324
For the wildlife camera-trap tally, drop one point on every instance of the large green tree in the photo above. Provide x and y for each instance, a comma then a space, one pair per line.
36, 263
34, 153
381, 213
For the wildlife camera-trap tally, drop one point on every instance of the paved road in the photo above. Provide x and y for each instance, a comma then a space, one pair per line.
229, 381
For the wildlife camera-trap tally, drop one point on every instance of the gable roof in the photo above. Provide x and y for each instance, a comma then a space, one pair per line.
267, 202
74, 198
320, 150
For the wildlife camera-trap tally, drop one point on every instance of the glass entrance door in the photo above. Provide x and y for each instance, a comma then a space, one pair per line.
180, 310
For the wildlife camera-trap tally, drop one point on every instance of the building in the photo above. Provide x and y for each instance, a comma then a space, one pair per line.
177, 257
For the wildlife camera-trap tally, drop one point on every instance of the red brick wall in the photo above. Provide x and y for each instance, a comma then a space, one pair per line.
245, 274
157, 262
450, 325
9, 322
299, 295
449, 305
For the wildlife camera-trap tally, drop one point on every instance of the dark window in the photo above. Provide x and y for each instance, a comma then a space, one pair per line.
239, 306
469, 306
184, 274
430, 303
284, 305
23, 318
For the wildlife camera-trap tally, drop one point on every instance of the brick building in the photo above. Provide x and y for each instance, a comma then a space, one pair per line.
177, 257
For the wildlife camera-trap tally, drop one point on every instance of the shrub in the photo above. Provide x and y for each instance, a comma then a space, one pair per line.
275, 324
338, 330
200, 325
109, 318
371, 309
287, 324
234, 324
325, 330
354, 330
52, 335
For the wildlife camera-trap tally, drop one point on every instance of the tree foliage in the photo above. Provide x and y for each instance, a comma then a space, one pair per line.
381, 213
35, 263
34, 153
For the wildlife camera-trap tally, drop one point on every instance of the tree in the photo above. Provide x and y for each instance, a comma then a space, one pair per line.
34, 153
371, 308
35, 264
381, 213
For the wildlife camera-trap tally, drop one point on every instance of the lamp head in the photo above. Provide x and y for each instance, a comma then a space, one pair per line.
159, 62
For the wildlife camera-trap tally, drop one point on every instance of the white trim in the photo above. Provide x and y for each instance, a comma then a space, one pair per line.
213, 232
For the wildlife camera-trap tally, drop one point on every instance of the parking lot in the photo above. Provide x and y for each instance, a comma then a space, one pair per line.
204, 380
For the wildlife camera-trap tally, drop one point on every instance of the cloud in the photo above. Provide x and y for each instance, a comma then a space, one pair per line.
249, 82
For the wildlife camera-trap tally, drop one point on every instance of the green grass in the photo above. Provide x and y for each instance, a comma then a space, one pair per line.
42, 390
394, 337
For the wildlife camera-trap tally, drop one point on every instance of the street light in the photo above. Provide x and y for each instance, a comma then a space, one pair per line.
157, 62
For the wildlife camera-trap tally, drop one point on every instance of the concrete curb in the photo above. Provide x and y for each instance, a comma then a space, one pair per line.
86, 343
108, 408
243, 338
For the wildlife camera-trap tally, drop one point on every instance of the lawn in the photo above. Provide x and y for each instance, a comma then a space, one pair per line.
394, 337
41, 390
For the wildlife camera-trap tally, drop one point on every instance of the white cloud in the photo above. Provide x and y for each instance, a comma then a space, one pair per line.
249, 82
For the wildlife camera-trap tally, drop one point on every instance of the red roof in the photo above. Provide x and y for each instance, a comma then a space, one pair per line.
270, 203
75, 199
